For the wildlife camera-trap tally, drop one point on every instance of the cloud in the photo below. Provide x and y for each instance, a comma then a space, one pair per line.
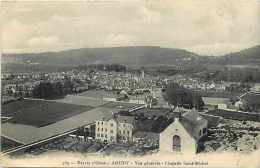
115, 39
42, 41
211, 26
218, 48
58, 18
14, 32
149, 15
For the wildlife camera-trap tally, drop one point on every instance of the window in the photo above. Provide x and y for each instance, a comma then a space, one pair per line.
123, 131
111, 131
105, 129
105, 136
176, 143
204, 130
98, 129
128, 133
98, 122
101, 129
111, 124
200, 133
102, 122
98, 135
111, 138
119, 132
101, 135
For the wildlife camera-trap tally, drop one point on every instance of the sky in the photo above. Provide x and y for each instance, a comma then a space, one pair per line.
212, 27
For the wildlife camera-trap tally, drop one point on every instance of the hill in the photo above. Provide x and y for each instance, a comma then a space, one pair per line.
141, 55
250, 56
135, 56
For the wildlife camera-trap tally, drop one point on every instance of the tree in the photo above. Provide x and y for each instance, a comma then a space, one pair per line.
160, 123
197, 101
48, 90
68, 86
179, 96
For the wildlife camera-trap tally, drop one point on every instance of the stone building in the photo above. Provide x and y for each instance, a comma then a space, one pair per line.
116, 129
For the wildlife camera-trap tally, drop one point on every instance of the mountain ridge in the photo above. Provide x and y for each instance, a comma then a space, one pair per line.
132, 56
123, 55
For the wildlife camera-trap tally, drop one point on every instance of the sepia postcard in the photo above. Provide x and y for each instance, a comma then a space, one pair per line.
130, 83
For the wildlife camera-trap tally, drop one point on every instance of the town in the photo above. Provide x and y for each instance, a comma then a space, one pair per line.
123, 112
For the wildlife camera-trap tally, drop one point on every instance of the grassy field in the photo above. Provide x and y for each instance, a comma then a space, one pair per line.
108, 94
235, 115
81, 100
218, 94
119, 105
40, 113
98, 94
8, 144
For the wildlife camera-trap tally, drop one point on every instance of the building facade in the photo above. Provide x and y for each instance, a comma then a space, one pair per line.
183, 135
116, 129
212, 103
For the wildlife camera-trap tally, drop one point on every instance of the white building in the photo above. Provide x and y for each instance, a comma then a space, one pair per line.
219, 103
239, 104
256, 87
183, 135
116, 129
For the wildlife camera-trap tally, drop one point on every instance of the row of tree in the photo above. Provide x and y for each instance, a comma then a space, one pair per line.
104, 67
235, 74
177, 95
53, 90
48, 90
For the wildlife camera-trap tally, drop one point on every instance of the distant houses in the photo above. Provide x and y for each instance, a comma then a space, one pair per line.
212, 103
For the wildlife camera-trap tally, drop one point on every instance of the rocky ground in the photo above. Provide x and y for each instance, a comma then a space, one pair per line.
232, 135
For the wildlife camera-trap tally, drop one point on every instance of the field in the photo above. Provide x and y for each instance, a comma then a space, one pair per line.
119, 105
81, 100
98, 94
235, 115
6, 99
8, 144
218, 94
40, 113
